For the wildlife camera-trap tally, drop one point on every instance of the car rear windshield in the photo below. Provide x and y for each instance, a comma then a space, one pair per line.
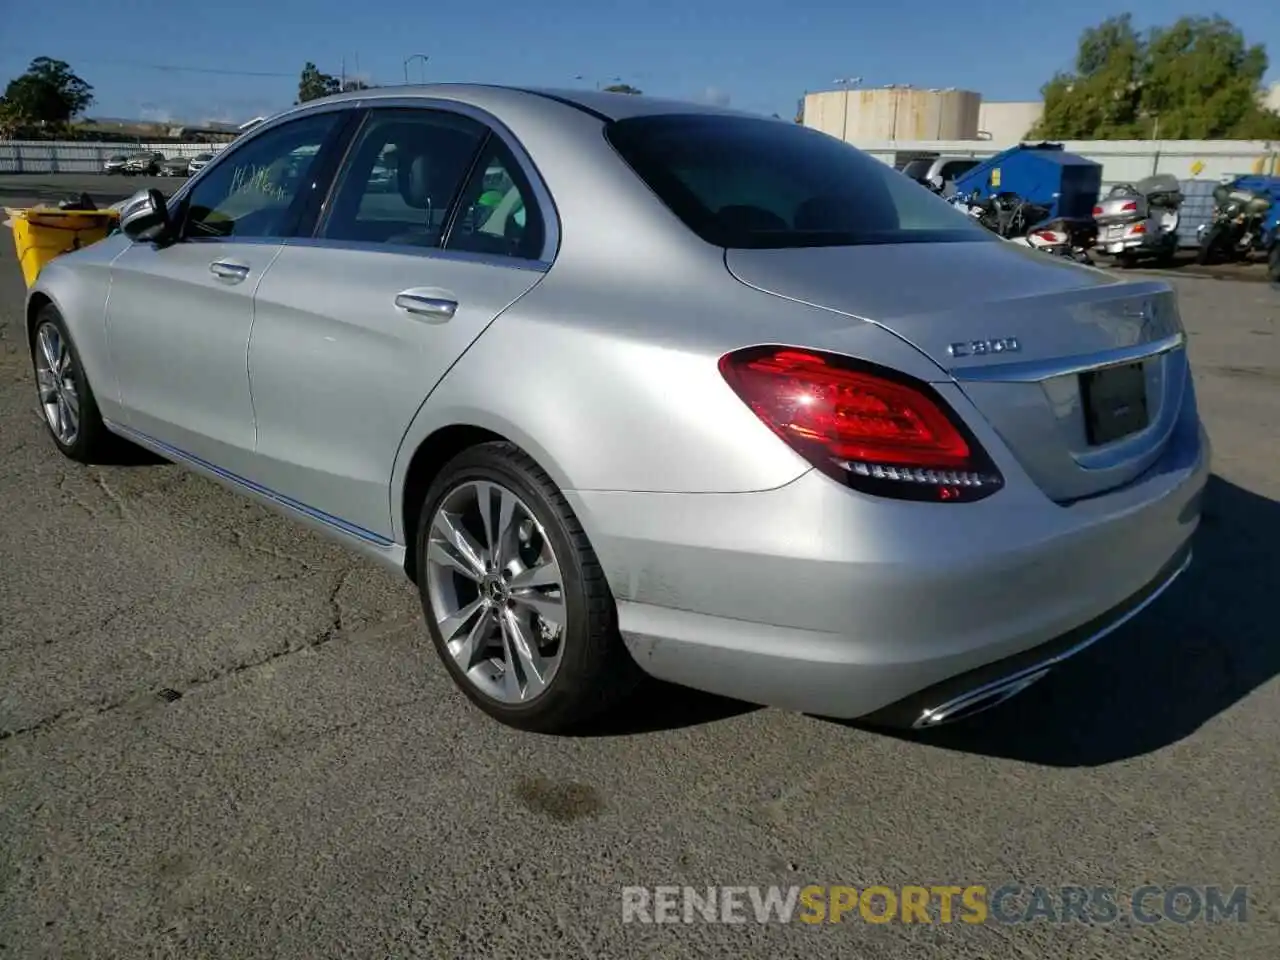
743, 182
917, 169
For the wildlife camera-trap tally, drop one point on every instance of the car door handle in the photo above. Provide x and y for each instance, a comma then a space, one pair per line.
429, 307
229, 270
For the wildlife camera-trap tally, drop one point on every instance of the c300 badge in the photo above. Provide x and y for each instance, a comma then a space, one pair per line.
982, 348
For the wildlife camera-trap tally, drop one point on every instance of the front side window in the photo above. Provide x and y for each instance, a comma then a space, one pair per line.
405, 170
497, 214
742, 182
255, 190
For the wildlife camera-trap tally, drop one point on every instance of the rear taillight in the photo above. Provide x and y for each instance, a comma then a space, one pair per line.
1131, 205
1138, 228
1051, 236
1097, 211
876, 430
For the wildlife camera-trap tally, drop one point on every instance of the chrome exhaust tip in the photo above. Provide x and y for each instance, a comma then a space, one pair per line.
978, 700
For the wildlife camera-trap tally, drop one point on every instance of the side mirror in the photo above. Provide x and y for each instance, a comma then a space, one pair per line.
936, 183
145, 217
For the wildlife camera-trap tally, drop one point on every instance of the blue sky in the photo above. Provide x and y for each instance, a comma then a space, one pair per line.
758, 55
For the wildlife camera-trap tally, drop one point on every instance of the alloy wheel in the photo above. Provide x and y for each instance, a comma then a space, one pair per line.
496, 591
56, 383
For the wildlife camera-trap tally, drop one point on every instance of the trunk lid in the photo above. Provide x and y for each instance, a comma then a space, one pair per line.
1022, 333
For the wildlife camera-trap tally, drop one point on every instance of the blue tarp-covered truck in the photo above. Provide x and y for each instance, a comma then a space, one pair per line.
1066, 184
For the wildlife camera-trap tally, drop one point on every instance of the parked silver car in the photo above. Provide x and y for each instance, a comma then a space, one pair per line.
633, 386
143, 164
198, 163
175, 167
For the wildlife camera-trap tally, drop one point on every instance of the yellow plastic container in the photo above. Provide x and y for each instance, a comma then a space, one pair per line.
42, 233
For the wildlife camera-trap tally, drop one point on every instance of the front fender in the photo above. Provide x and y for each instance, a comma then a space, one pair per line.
78, 285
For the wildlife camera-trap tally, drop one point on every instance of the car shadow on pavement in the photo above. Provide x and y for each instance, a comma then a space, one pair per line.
130, 455
659, 706
1199, 649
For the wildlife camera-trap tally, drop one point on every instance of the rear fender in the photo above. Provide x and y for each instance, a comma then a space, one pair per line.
617, 387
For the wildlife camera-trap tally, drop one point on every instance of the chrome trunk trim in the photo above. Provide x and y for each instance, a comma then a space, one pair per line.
1035, 371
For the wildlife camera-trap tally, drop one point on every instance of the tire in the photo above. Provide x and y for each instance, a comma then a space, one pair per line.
593, 673
1209, 245
92, 442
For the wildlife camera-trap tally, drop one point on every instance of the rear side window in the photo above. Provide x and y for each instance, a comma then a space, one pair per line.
402, 176
742, 182
498, 214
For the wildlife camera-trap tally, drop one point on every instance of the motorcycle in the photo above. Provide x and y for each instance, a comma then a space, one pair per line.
1239, 224
1026, 223
1068, 237
1140, 219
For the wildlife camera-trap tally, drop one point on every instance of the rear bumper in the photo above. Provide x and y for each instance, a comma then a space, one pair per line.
814, 598
989, 685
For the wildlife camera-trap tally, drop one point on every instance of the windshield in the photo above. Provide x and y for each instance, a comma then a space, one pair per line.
742, 182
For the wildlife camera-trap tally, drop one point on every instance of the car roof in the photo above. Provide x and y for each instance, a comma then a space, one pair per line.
544, 101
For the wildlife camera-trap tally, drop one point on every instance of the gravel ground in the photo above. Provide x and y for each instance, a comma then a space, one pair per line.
222, 737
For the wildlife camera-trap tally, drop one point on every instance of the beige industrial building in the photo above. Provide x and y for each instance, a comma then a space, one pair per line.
894, 113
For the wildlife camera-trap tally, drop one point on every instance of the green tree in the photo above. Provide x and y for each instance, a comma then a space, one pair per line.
49, 94
11, 123
312, 84
623, 88
1194, 80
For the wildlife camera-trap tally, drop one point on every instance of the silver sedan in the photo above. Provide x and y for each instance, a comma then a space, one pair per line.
633, 387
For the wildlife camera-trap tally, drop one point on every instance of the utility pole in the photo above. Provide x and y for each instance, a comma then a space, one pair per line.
1155, 138
846, 82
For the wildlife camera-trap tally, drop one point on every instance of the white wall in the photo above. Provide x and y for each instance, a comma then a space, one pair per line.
1121, 159
1124, 160
53, 156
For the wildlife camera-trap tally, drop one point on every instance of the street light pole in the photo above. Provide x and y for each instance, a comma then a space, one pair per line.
846, 82
409, 59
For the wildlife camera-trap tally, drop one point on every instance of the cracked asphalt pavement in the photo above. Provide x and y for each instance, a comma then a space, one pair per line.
221, 736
